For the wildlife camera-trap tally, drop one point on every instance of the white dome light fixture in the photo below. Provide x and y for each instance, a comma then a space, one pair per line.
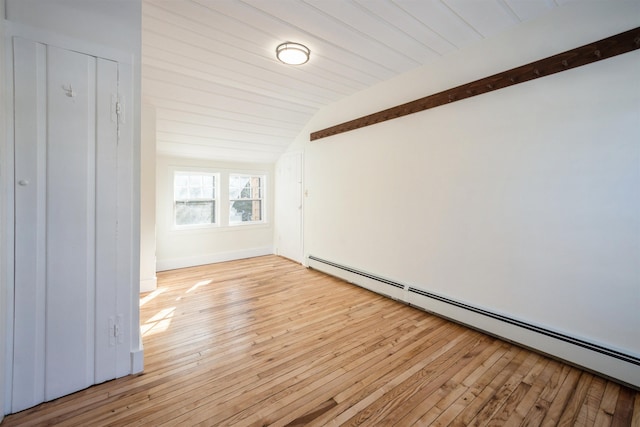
292, 53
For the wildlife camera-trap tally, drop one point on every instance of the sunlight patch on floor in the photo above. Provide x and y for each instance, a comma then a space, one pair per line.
145, 299
160, 322
197, 285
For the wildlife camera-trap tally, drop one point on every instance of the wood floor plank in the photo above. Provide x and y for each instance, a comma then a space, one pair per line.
563, 395
437, 394
485, 389
265, 341
607, 405
444, 405
574, 404
537, 410
497, 408
355, 367
635, 419
266, 374
472, 386
421, 383
369, 374
384, 376
591, 403
381, 370
624, 408
271, 382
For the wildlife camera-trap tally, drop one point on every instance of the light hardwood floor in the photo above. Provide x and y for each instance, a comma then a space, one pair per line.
265, 341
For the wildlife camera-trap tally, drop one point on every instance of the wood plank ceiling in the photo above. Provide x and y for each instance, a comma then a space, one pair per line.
209, 66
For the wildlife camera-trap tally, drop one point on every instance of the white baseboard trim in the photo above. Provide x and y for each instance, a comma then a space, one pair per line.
172, 264
137, 359
620, 365
148, 285
595, 357
360, 278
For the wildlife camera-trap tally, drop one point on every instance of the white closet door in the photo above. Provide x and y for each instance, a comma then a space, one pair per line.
289, 206
65, 153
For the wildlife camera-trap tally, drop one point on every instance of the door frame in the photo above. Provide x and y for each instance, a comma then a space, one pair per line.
3, 247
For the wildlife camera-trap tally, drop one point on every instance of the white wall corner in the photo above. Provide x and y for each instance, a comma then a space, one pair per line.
148, 285
148, 199
137, 358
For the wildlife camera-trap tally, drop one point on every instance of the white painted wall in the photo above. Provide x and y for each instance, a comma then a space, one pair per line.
184, 248
109, 29
523, 201
148, 279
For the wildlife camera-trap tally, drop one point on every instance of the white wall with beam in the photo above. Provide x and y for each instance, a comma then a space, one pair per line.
521, 202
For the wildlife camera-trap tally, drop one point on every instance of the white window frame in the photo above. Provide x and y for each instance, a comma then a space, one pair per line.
216, 198
262, 198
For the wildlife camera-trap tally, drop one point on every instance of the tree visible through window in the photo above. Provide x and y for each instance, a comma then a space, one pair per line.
246, 198
194, 198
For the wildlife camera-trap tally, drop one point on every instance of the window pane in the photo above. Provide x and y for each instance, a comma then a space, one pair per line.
196, 193
181, 193
207, 180
245, 210
181, 180
208, 188
246, 192
237, 186
245, 199
192, 213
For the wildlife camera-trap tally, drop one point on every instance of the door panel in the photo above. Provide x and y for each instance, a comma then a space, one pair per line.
30, 208
65, 222
70, 209
106, 219
289, 206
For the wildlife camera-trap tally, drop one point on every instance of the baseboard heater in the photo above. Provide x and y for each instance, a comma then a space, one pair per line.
612, 363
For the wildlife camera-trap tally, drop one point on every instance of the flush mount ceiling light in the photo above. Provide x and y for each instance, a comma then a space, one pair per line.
292, 53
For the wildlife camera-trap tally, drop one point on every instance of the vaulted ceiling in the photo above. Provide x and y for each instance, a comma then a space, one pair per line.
209, 66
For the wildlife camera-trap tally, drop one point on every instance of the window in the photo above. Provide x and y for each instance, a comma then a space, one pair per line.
194, 196
246, 198
216, 198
